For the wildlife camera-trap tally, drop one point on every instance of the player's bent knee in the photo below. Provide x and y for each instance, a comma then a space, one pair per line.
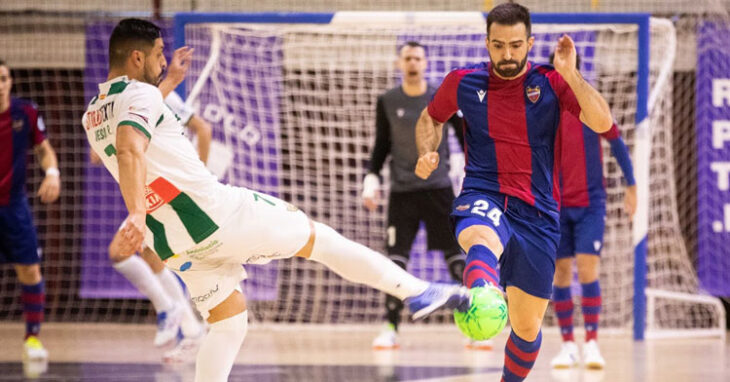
322, 240
527, 332
28, 274
234, 304
526, 313
588, 266
526, 327
314, 230
480, 235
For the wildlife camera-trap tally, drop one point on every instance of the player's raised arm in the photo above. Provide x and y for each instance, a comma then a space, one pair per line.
179, 65
595, 112
428, 137
621, 153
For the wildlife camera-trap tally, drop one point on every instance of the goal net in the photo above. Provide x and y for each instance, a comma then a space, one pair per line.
292, 105
293, 99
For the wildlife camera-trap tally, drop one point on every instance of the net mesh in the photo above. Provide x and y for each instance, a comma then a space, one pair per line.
50, 69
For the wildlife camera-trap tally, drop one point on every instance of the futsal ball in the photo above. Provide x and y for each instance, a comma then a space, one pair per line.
486, 316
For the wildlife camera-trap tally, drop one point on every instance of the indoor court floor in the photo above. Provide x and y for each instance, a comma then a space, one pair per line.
119, 352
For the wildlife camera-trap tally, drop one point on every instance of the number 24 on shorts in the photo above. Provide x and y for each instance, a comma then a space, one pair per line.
480, 208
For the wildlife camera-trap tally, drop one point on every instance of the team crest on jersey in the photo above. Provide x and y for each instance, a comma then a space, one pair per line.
153, 201
400, 112
597, 245
462, 207
17, 124
533, 94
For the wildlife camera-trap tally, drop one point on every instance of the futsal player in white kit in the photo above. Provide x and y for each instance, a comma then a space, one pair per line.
205, 230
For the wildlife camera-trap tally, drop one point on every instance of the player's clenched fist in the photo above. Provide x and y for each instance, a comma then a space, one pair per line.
426, 164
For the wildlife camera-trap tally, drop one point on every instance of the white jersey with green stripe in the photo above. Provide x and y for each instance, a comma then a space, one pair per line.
185, 202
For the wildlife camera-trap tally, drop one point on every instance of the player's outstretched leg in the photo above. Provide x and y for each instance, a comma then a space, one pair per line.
140, 275
359, 264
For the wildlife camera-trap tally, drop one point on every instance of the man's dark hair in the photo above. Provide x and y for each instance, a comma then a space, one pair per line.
510, 14
3, 63
129, 35
577, 59
411, 44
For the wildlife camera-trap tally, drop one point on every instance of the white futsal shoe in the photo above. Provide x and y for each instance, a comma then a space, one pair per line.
567, 358
33, 350
592, 356
168, 325
387, 339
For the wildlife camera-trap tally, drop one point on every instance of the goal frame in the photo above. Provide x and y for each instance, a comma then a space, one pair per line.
642, 148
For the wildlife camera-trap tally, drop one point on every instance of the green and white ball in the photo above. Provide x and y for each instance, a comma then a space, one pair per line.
486, 316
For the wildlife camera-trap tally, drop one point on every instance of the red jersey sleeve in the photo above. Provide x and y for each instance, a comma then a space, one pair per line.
565, 94
444, 104
37, 126
612, 134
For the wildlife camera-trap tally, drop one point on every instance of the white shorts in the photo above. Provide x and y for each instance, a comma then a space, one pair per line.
261, 228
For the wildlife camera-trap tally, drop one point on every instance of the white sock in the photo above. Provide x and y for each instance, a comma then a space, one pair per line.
141, 276
220, 347
190, 325
358, 263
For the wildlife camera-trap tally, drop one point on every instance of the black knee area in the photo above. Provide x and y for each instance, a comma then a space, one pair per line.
393, 310
456, 262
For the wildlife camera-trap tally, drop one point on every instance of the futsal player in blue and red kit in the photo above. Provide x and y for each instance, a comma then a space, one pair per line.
507, 211
582, 223
21, 127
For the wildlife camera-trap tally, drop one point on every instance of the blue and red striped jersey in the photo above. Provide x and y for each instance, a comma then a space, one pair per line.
511, 129
21, 128
581, 164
